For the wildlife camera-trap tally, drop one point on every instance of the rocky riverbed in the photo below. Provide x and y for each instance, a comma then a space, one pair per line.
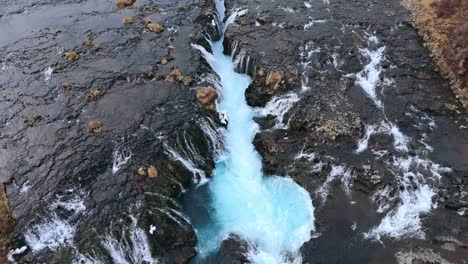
108, 120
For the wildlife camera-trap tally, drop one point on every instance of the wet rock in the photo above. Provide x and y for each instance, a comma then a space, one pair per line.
321, 47
150, 74
163, 61
93, 95
154, 27
71, 55
266, 122
234, 250
125, 3
63, 162
206, 97
95, 127
267, 84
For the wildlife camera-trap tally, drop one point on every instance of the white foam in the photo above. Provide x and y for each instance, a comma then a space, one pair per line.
337, 172
306, 52
232, 18
214, 134
120, 157
364, 143
278, 106
16, 251
400, 141
287, 9
199, 175
51, 234
25, 188
137, 250
383, 198
175, 216
152, 229
82, 259
313, 22
415, 198
369, 77
462, 211
305, 155
73, 204
48, 73
405, 219
208, 56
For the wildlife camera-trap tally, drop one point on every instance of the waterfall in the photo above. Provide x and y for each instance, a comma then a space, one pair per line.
273, 214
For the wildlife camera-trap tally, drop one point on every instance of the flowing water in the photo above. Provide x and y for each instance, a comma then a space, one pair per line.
272, 214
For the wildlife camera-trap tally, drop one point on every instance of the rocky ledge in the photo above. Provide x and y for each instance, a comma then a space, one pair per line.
101, 131
107, 118
309, 61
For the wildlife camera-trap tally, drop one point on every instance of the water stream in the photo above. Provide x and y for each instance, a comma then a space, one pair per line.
273, 214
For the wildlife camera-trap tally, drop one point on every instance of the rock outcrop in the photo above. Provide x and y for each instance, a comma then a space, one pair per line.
85, 104
317, 114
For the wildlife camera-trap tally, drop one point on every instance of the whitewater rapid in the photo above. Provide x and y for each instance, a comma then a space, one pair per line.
274, 215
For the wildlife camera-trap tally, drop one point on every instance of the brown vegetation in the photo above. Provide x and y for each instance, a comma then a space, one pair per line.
443, 25
6, 225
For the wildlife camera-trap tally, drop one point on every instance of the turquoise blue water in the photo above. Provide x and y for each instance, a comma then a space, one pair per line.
273, 214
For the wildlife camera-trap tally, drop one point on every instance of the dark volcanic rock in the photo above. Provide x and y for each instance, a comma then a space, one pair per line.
234, 250
84, 105
322, 46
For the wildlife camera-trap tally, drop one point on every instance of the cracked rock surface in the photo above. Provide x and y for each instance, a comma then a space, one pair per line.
107, 119
325, 47
84, 104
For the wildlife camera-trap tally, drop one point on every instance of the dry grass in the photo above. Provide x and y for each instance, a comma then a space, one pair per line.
443, 25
